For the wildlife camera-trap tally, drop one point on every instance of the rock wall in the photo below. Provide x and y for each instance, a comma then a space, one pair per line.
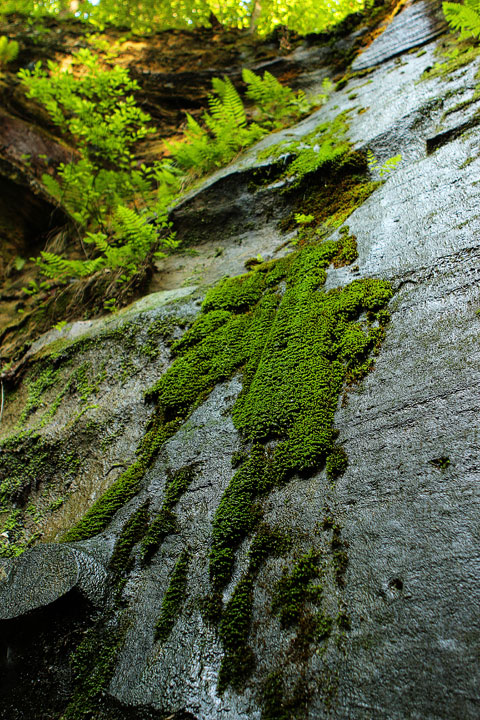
290, 457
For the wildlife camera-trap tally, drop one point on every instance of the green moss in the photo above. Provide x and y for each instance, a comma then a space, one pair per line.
85, 382
238, 660
337, 462
161, 329
177, 484
28, 461
273, 698
235, 516
238, 458
348, 252
234, 628
296, 352
320, 149
278, 704
45, 377
12, 525
295, 589
166, 522
124, 488
455, 56
217, 356
174, 598
268, 542
133, 531
442, 463
205, 325
323, 626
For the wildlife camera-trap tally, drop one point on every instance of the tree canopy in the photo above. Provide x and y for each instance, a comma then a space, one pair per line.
262, 16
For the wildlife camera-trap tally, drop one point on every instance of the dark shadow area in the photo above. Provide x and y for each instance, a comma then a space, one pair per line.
112, 709
35, 676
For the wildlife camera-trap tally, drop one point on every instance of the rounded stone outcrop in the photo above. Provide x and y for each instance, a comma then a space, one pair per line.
44, 574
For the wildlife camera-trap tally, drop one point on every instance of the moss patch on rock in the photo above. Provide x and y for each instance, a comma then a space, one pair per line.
174, 598
165, 523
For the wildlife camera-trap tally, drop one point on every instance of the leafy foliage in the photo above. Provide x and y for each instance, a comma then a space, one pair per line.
226, 129
389, 164
8, 50
147, 16
225, 132
275, 102
465, 18
92, 102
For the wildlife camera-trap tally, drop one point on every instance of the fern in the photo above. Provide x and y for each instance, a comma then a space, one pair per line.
8, 50
277, 103
228, 106
55, 266
388, 166
94, 109
225, 132
465, 18
272, 98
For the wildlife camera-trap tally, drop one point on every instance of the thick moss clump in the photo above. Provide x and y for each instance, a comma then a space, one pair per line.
174, 598
299, 362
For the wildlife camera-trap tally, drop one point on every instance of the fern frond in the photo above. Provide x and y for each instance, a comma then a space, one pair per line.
52, 186
8, 50
226, 107
465, 18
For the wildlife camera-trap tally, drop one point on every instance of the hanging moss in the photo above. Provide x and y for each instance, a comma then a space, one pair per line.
296, 588
234, 628
132, 533
268, 542
165, 522
235, 516
278, 704
124, 488
238, 661
174, 598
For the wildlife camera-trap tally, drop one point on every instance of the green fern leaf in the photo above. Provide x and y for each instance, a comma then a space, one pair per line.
465, 18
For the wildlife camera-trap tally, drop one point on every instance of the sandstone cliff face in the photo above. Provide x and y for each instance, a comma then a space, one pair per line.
237, 567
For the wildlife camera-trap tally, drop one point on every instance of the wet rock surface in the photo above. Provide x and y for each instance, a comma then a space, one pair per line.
45, 574
398, 532
416, 24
